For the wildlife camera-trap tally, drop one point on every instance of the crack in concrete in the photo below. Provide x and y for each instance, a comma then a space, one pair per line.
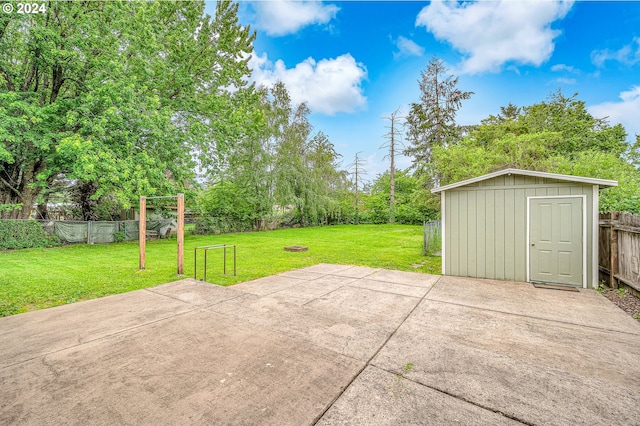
106, 336
593, 327
369, 363
461, 398
366, 363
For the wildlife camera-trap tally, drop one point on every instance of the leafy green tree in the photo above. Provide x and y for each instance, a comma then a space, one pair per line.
329, 180
121, 95
469, 159
528, 138
248, 166
411, 204
634, 152
277, 162
307, 175
557, 136
292, 181
625, 197
230, 204
579, 130
283, 163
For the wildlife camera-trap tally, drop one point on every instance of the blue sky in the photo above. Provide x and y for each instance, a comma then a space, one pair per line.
356, 62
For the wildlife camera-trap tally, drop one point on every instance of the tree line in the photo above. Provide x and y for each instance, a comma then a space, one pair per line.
101, 102
107, 101
557, 135
280, 171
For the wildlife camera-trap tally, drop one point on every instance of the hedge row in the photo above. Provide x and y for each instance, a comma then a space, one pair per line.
17, 234
215, 225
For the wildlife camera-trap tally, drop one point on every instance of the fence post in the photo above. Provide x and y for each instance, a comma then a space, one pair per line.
614, 258
424, 237
142, 232
180, 235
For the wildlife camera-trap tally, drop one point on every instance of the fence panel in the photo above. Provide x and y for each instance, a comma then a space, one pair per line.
604, 242
101, 232
71, 232
629, 249
619, 245
432, 243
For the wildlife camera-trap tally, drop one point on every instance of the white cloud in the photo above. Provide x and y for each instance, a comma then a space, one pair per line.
565, 81
407, 47
625, 111
491, 33
513, 69
282, 17
327, 86
563, 67
628, 55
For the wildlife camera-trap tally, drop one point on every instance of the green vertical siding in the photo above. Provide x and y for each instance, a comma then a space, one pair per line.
520, 237
490, 234
486, 225
481, 233
463, 247
453, 240
509, 233
472, 237
500, 245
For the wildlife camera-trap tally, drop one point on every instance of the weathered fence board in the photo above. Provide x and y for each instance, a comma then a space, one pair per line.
619, 249
432, 237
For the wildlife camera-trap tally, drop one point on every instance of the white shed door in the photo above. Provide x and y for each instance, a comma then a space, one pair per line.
556, 240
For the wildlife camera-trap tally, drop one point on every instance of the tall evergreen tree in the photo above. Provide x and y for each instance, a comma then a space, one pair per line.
431, 122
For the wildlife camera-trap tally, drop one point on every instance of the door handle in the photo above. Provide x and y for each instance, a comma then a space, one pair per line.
533, 244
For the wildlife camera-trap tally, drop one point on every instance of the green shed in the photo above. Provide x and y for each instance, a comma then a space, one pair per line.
522, 225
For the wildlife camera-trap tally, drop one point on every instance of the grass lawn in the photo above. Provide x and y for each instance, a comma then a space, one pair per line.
39, 278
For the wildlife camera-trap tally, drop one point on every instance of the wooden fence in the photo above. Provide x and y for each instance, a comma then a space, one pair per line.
619, 250
432, 237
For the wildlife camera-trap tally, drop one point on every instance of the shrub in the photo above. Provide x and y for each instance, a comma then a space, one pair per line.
220, 225
17, 234
119, 236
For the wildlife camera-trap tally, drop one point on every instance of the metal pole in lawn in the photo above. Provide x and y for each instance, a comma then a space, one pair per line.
142, 232
180, 234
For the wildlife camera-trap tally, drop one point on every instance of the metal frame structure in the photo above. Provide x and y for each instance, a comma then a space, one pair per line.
224, 259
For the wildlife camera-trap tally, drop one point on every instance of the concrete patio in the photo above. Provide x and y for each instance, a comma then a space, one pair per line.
327, 345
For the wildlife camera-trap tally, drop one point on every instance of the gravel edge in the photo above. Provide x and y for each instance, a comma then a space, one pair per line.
624, 300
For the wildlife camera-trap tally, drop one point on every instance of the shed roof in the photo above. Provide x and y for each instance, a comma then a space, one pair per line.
567, 178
